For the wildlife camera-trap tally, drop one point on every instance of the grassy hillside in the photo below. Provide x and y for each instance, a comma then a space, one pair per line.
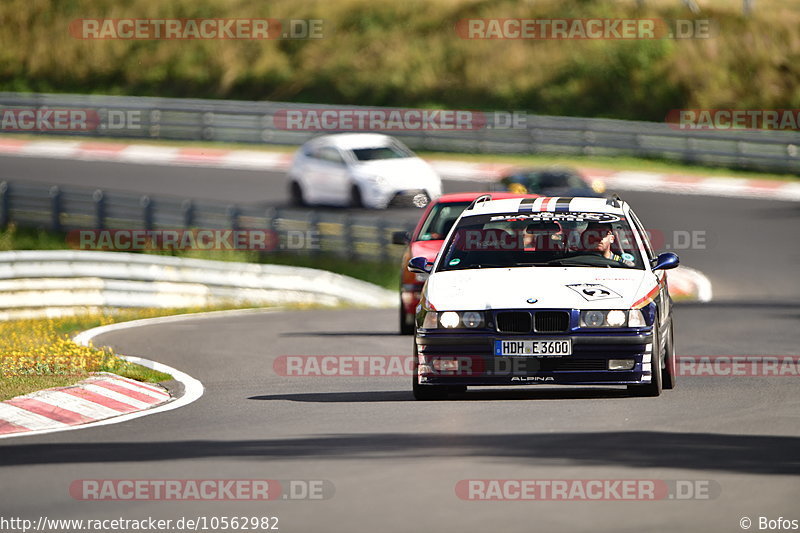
381, 52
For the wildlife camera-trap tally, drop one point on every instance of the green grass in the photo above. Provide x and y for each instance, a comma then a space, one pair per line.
47, 340
387, 53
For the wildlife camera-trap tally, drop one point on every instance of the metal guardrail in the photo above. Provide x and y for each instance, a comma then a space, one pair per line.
254, 122
297, 231
40, 282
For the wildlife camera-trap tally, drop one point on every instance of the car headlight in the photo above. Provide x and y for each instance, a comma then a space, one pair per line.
377, 180
613, 318
636, 318
616, 318
593, 319
471, 319
449, 319
453, 320
598, 186
431, 320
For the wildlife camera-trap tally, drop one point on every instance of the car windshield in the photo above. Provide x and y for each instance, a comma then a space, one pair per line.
581, 239
440, 220
391, 151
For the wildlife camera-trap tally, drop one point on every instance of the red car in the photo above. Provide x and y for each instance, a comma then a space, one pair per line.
426, 240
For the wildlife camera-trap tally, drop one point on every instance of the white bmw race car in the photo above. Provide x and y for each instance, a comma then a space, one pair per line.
549, 290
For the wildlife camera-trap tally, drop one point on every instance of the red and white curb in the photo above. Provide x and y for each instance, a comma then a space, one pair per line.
450, 170
103, 399
96, 398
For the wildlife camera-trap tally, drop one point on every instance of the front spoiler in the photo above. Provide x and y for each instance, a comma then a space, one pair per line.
588, 364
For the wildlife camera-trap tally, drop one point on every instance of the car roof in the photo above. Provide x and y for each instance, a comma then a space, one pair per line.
546, 203
349, 141
470, 196
554, 169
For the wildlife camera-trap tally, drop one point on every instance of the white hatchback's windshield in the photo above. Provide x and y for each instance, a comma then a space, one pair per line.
542, 239
391, 151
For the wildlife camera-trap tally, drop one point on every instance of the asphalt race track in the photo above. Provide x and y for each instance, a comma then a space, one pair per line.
395, 462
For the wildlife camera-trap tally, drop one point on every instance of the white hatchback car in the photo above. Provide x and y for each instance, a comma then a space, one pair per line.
361, 170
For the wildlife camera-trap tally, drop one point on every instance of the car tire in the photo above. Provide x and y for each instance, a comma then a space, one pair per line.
670, 376
296, 194
430, 392
406, 321
653, 388
356, 199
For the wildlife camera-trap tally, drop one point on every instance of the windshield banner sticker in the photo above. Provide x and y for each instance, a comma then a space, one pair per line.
562, 217
592, 292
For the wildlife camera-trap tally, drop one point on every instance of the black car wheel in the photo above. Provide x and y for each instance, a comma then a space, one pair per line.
296, 195
653, 388
670, 376
356, 200
406, 321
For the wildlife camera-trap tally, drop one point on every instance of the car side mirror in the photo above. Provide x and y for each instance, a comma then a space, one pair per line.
401, 237
666, 261
420, 265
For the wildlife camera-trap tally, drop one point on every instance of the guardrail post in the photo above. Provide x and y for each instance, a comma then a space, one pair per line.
99, 200
383, 242
271, 226
271, 218
349, 240
313, 231
55, 208
535, 136
155, 123
271, 215
147, 212
5, 205
589, 140
187, 206
233, 216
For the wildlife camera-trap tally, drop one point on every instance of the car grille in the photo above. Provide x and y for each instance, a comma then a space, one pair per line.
543, 321
514, 322
551, 321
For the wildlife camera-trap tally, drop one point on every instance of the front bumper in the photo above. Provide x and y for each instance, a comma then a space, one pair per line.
382, 196
477, 365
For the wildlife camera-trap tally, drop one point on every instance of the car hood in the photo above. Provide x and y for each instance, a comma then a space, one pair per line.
550, 287
407, 172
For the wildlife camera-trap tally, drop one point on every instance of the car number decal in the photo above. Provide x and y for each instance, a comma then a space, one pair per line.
593, 291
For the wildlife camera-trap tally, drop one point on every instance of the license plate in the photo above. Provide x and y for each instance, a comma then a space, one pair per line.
537, 348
